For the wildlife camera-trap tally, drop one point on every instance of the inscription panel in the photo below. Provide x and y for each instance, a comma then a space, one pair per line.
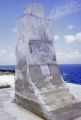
45, 70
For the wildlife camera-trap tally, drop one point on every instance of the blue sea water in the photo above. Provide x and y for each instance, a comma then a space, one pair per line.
7, 67
70, 72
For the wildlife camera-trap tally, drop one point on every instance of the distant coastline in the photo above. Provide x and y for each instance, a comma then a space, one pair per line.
7, 69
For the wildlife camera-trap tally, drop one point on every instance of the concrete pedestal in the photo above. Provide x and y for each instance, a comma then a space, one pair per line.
39, 84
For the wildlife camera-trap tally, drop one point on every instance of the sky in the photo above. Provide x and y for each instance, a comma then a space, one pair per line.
66, 17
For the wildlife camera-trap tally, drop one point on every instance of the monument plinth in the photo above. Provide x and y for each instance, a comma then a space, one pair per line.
39, 85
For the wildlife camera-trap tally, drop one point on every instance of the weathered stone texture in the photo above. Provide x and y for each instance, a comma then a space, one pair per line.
39, 84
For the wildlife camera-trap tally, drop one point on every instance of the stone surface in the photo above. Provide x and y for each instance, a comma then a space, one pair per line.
34, 9
39, 84
11, 111
79, 118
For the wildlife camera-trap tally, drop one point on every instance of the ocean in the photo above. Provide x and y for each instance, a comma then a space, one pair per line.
70, 72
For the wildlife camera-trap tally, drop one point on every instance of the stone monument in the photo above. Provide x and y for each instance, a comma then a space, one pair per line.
39, 85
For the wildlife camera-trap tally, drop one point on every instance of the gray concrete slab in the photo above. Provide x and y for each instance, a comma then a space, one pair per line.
79, 118
5, 116
11, 111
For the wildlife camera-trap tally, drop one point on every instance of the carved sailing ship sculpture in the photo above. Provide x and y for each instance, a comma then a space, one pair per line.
39, 85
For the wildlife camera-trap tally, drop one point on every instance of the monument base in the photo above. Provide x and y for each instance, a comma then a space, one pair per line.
67, 113
47, 95
30, 105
